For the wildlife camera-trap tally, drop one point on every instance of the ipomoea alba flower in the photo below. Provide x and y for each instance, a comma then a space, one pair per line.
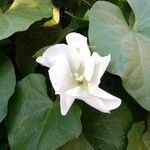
76, 74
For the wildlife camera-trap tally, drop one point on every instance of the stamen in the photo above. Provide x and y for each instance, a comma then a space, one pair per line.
79, 78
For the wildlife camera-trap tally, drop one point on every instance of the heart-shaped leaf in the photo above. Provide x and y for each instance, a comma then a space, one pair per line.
34, 121
129, 47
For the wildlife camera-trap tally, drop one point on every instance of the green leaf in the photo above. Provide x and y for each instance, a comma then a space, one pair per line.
135, 137
22, 14
34, 122
129, 48
77, 144
7, 83
107, 131
146, 136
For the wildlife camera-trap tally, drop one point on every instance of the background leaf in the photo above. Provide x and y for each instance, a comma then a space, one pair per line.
129, 48
77, 144
35, 122
22, 14
135, 137
107, 131
7, 83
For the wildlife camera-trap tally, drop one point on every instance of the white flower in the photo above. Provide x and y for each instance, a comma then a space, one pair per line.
76, 74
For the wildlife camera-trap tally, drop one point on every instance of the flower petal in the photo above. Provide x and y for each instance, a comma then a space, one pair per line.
43, 61
93, 101
65, 103
60, 75
88, 68
101, 64
50, 56
78, 42
110, 101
